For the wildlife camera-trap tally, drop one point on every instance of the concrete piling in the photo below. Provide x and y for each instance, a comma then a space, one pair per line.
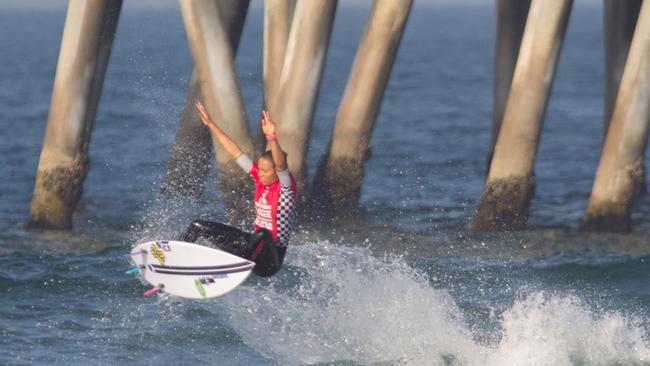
277, 25
278, 15
300, 80
85, 48
620, 21
621, 168
214, 63
340, 174
510, 21
189, 163
510, 183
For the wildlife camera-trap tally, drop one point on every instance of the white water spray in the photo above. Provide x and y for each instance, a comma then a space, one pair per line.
335, 303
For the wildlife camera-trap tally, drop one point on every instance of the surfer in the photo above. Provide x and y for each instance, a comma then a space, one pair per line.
275, 196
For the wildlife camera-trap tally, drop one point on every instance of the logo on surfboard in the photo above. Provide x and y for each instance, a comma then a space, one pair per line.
158, 254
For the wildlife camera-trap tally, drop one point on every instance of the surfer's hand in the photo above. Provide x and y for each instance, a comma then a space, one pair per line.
203, 113
268, 126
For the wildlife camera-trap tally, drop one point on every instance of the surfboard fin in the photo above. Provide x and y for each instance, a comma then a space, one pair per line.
153, 290
199, 287
133, 270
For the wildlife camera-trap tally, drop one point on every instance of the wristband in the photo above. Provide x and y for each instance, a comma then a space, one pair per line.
270, 137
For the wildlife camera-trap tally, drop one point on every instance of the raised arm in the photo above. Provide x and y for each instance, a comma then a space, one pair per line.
268, 127
229, 144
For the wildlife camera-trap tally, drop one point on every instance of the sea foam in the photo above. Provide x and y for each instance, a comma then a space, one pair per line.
335, 303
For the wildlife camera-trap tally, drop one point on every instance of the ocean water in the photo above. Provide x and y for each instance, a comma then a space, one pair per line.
405, 283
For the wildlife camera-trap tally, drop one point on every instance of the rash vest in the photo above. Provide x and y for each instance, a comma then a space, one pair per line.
274, 204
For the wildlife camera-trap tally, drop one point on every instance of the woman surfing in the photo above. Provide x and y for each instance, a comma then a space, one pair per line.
275, 198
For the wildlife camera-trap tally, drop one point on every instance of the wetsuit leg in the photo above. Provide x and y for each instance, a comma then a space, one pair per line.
223, 236
264, 253
282, 251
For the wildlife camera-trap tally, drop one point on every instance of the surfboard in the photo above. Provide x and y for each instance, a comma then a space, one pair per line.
189, 270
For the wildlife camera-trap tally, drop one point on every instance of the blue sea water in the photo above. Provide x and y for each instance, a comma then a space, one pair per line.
406, 284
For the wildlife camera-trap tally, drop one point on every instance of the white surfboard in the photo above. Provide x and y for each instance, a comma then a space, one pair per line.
190, 270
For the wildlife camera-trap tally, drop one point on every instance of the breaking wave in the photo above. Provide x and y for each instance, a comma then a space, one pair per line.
340, 304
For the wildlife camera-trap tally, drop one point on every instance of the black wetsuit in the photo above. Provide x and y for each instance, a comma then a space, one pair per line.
257, 247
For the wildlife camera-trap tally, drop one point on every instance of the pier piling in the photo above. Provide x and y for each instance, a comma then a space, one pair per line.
620, 21
85, 48
189, 163
300, 80
510, 21
621, 168
510, 183
340, 173
214, 63
278, 15
277, 25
